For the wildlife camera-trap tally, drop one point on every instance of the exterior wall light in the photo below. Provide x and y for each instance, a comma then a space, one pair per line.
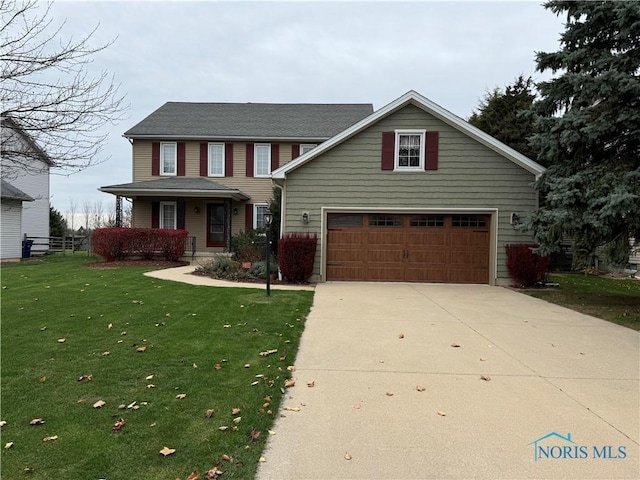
515, 219
305, 218
196, 209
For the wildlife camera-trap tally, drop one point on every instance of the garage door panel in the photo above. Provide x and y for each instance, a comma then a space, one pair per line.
426, 239
386, 237
385, 273
344, 272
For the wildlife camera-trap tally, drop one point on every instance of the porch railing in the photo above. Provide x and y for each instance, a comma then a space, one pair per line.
190, 245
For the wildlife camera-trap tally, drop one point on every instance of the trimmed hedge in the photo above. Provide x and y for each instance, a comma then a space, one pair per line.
296, 255
525, 267
118, 243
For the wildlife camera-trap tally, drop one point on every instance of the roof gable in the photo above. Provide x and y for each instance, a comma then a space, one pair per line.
35, 152
414, 98
249, 121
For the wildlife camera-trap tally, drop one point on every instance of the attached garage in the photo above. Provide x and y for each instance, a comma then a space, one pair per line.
408, 247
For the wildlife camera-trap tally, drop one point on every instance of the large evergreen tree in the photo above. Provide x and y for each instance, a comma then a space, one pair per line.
501, 114
57, 223
588, 130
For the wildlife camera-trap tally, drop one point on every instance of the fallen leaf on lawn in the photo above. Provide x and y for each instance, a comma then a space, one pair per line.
50, 439
237, 420
28, 469
193, 476
255, 434
151, 385
217, 366
247, 365
8, 445
223, 428
420, 388
3, 423
254, 383
209, 413
441, 413
153, 424
99, 404
43, 379
260, 375
117, 426
389, 394
43, 329
401, 335
227, 325
104, 354
268, 352
123, 333
289, 383
226, 458
36, 421
62, 340
486, 378
262, 459
271, 432
131, 405
213, 474
141, 349
347, 456
110, 326
235, 411
292, 409
148, 377
86, 378
311, 384
455, 345
291, 368
167, 451
180, 396
483, 359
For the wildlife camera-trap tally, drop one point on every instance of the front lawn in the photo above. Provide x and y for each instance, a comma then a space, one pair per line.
612, 299
172, 361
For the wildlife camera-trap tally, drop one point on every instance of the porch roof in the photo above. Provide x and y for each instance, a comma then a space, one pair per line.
176, 187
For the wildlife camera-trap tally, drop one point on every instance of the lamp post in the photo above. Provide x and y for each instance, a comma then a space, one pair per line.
268, 216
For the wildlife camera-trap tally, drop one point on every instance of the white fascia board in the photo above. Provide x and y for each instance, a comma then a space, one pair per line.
219, 138
427, 105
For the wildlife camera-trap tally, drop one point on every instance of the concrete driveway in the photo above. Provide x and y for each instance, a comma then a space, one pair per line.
550, 372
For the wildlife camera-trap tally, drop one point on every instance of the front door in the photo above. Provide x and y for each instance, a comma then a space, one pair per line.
216, 225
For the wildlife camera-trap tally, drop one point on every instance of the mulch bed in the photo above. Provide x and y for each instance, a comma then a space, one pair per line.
137, 263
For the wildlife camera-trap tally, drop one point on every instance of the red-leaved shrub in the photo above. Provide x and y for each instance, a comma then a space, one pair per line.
296, 255
525, 267
116, 243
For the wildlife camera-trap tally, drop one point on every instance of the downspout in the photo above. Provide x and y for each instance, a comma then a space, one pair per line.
282, 215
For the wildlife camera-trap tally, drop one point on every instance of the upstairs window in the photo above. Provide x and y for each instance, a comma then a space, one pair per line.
262, 160
409, 154
168, 159
216, 160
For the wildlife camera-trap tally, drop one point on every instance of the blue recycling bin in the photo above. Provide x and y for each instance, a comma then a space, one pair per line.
26, 248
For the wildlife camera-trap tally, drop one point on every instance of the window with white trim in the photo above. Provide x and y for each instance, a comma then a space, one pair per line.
259, 210
168, 158
409, 153
305, 147
168, 215
262, 160
216, 159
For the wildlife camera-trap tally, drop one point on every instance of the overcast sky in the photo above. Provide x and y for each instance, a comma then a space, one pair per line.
292, 52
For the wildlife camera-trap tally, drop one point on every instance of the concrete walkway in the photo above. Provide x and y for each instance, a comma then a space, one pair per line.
392, 392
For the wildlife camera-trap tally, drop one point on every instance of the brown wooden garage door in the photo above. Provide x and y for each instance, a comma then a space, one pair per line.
408, 248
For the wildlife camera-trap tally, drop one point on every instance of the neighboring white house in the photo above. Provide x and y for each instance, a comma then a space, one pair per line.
11, 221
25, 167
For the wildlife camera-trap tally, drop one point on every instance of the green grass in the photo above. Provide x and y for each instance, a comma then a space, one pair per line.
186, 330
614, 300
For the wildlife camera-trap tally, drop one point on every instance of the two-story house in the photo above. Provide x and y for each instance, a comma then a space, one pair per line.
206, 167
25, 174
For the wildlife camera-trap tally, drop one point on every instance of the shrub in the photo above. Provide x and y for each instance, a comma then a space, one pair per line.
249, 246
116, 243
259, 269
526, 267
296, 254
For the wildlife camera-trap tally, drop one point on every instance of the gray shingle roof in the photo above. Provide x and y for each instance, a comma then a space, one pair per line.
249, 120
179, 186
12, 193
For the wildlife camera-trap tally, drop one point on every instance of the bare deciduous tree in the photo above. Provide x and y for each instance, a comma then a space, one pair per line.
86, 212
98, 213
48, 92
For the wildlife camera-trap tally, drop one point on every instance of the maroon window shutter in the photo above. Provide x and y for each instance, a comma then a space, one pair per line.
228, 159
181, 158
155, 214
155, 158
248, 217
181, 214
388, 150
295, 151
204, 159
431, 151
275, 156
249, 159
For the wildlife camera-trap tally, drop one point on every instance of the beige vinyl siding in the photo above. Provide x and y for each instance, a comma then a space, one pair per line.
259, 189
469, 175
